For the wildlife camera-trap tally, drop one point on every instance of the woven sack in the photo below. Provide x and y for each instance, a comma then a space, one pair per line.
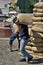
28, 48
37, 49
40, 10
37, 28
38, 14
37, 35
37, 19
37, 40
37, 23
35, 54
39, 5
34, 44
24, 19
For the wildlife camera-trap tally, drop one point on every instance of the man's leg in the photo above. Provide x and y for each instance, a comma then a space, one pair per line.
25, 55
12, 37
18, 42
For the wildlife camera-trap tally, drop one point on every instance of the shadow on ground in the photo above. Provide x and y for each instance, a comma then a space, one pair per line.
36, 61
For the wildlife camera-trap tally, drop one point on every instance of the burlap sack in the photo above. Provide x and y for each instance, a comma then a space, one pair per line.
37, 19
37, 49
38, 14
34, 44
37, 23
37, 35
28, 48
39, 5
34, 54
40, 10
40, 26
37, 28
37, 40
24, 19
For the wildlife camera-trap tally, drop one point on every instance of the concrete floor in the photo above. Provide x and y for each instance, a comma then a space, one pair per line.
12, 58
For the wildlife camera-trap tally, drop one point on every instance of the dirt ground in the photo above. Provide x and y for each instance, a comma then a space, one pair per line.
12, 58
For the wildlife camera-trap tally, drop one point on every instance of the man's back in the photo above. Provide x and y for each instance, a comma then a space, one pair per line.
24, 33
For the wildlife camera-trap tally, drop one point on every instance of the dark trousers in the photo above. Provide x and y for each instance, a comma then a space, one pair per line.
12, 38
18, 41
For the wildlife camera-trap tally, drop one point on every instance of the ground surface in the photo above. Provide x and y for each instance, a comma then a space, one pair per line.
12, 58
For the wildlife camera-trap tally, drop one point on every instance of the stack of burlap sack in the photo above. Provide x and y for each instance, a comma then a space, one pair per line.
36, 44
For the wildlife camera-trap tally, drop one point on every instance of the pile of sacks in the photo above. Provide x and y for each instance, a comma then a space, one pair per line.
35, 47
